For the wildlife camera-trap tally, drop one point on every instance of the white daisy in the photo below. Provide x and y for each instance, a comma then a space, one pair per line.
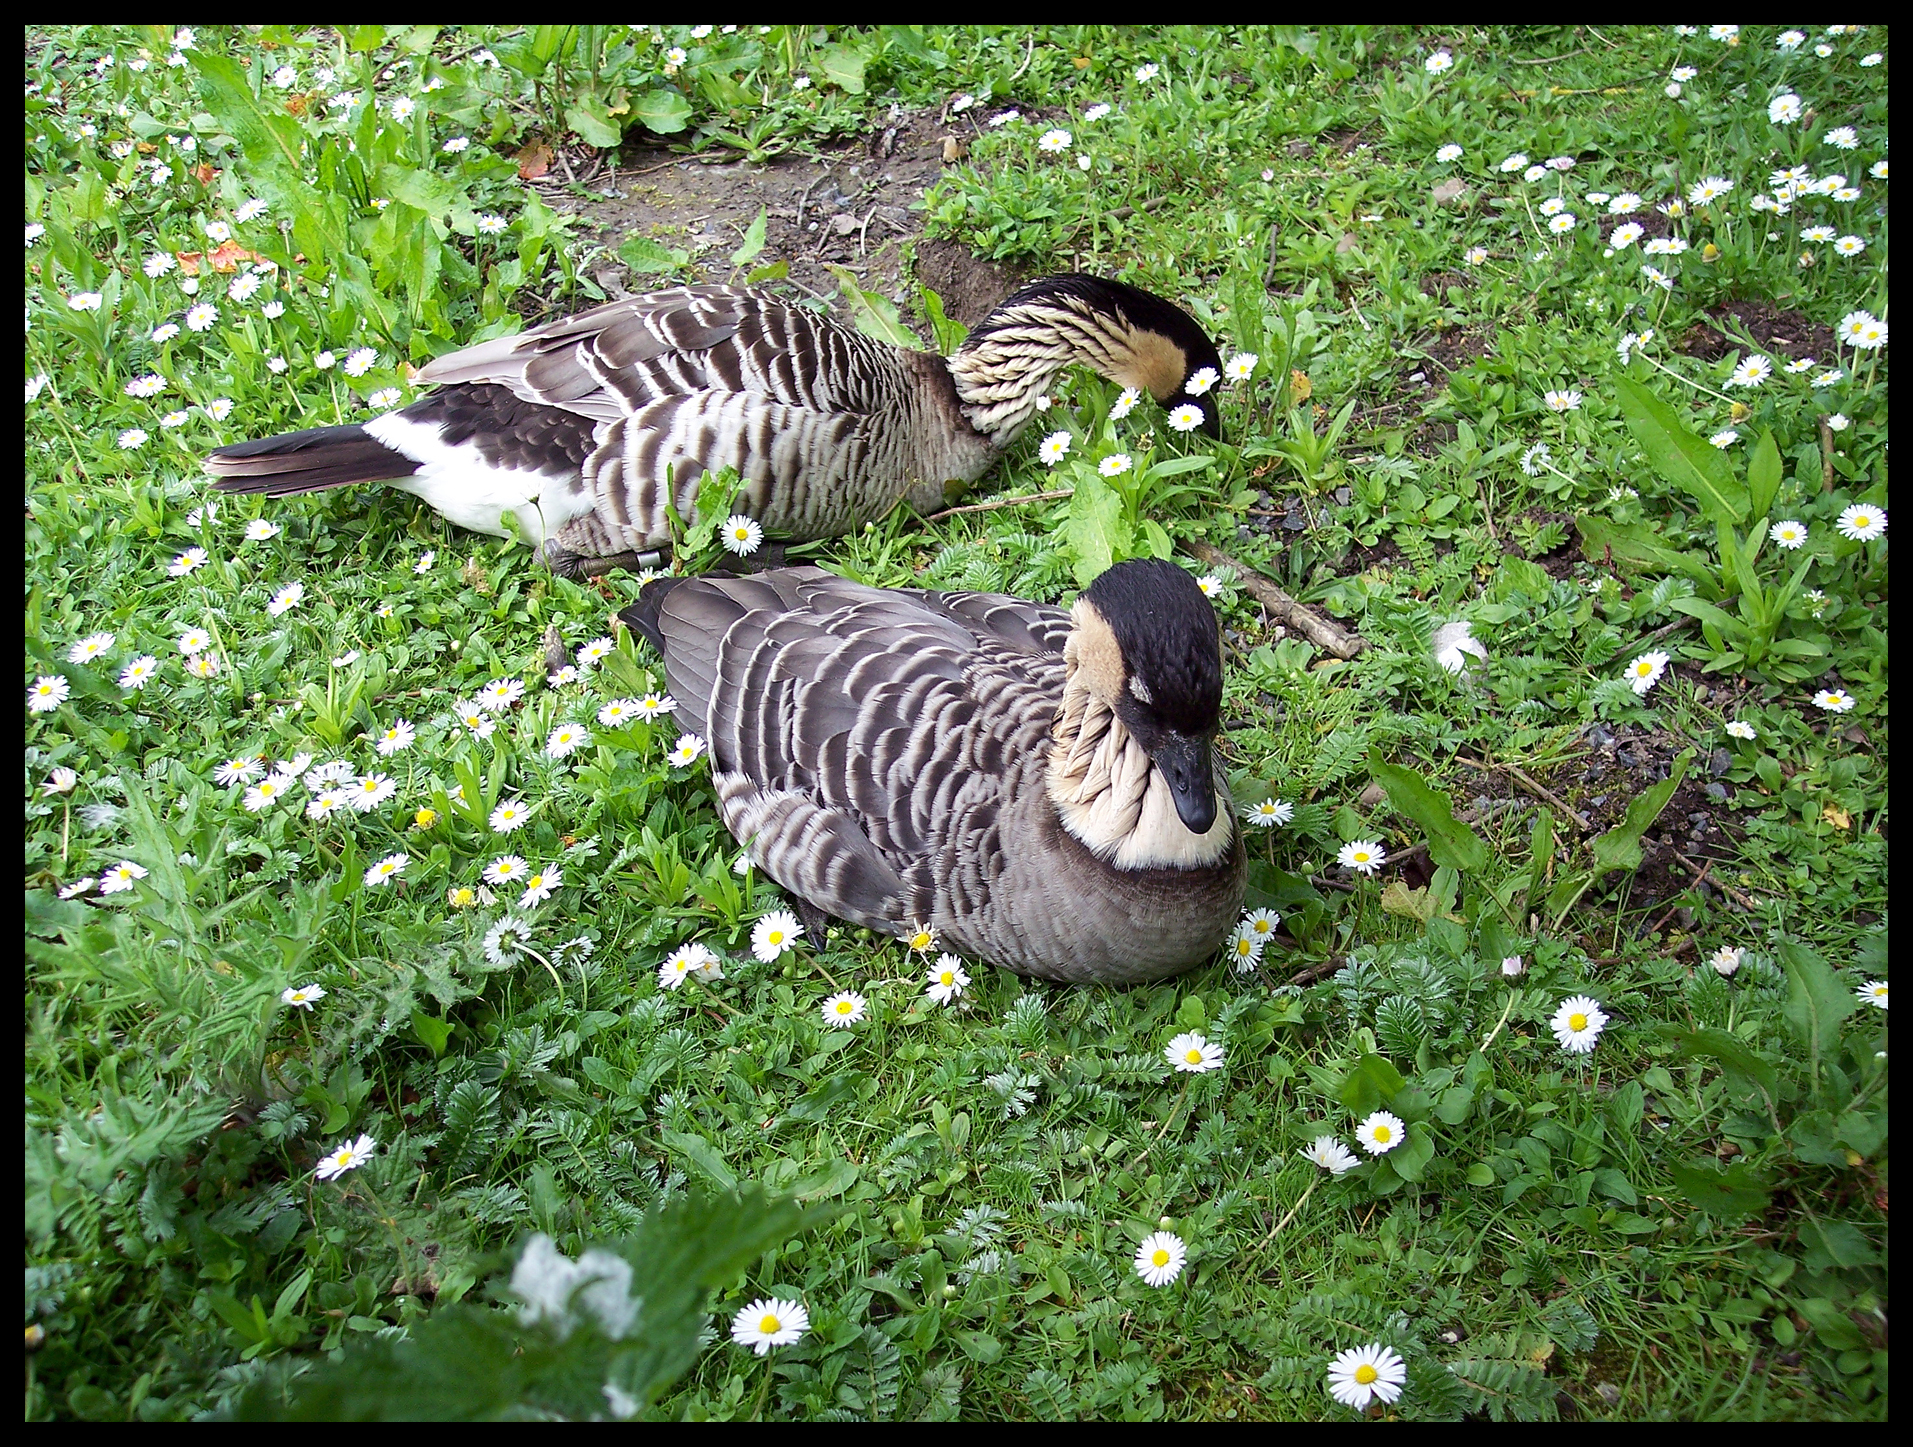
1363, 856
1380, 1133
1447, 153
1724, 438
1331, 1155
1625, 235
1364, 1374
1115, 465
769, 1322
775, 933
387, 868
47, 693
1725, 960
1186, 418
594, 651
1054, 448
474, 717
258, 530
140, 672
1578, 1024
349, 1156
1241, 366
1160, 1258
121, 876
1740, 730
1201, 380
1054, 141
1861, 523
61, 780
946, 980
1512, 967
1125, 403
1269, 813
1873, 992
1644, 672
286, 599
267, 792
541, 883
500, 694
304, 997
509, 815
844, 1009
1751, 372
1192, 1054
506, 869
87, 649
1559, 400
651, 705
366, 792
1835, 700
742, 535
618, 712
566, 740
682, 963
235, 771
396, 739
687, 751
78, 887
1789, 534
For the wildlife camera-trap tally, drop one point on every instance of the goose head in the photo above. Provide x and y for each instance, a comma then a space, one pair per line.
1131, 336
1146, 645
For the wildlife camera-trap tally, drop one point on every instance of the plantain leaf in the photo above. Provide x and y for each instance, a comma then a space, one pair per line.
1620, 847
1451, 843
1763, 474
1688, 462
662, 111
875, 314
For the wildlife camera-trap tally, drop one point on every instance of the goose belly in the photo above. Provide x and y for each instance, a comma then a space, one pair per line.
458, 483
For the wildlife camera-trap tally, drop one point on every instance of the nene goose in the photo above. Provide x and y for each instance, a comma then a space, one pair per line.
1035, 785
593, 430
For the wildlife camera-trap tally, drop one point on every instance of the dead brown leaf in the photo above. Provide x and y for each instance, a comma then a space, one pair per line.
534, 160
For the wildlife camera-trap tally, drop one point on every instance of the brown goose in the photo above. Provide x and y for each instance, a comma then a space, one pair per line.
1034, 784
594, 430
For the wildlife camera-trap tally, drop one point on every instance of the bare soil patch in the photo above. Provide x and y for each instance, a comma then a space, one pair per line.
1786, 332
856, 207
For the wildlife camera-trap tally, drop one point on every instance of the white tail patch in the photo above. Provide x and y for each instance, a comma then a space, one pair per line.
463, 488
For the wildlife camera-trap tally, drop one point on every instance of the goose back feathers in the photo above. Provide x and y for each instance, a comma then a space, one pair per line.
971, 762
594, 430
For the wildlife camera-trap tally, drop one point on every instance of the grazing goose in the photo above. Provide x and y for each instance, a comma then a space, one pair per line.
594, 429
1035, 785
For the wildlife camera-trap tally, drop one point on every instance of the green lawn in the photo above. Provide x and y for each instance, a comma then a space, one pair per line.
1544, 342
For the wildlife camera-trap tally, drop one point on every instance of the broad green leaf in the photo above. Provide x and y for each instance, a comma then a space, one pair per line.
1620, 847
947, 330
1835, 1244
1831, 1323
1094, 530
1615, 1186
1733, 1054
1410, 1159
702, 1154
1817, 1001
641, 253
1372, 1081
432, 1033
664, 112
844, 67
425, 191
593, 124
1730, 626
1688, 462
753, 242
1481, 1174
1763, 474
875, 314
271, 141
1270, 888
1637, 546
1450, 842
1729, 1193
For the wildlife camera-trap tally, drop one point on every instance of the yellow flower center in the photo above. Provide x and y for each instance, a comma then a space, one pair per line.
1366, 1374
1577, 1022
1383, 1133
425, 818
768, 1324
843, 1007
1861, 520
536, 881
1161, 1258
464, 896
946, 978
1244, 947
920, 942
1194, 1057
776, 937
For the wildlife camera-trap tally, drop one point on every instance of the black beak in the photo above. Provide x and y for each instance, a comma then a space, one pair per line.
1186, 767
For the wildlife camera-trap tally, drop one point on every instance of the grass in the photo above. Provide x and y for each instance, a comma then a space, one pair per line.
1688, 1222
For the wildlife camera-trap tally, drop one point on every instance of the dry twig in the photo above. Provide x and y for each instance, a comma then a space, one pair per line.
1322, 632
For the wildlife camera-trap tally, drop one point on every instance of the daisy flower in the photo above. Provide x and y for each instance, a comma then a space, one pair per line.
1438, 62
1449, 152
389, 867
61, 781
201, 317
1147, 73
509, 815
1054, 448
48, 692
618, 712
1710, 189
1578, 1024
1724, 438
946, 980
1843, 138
1365, 1374
1517, 162
121, 877
89, 648
1784, 109
150, 385
1861, 523
1054, 141
1475, 255
396, 739
1192, 1054
684, 962
769, 1322
687, 751
1096, 112
1839, 422
1269, 813
302, 998
1751, 372
566, 740
500, 694
1245, 948
1380, 1133
1364, 856
250, 210
1818, 233
596, 649
742, 535
235, 771
1873, 992
1562, 224
1262, 923
267, 792
1512, 967
1835, 700
258, 530
1644, 672
1201, 380
1160, 1258
384, 397
1558, 400
1725, 960
844, 1009
1739, 730
506, 869
455, 145
775, 933
1241, 366
1625, 235
1124, 404
349, 1156
424, 563
286, 599
156, 266
368, 791
78, 887
474, 717
1828, 377
540, 884
1115, 465
85, 301
1849, 246
1186, 418
137, 674
651, 705
1789, 534
1331, 1155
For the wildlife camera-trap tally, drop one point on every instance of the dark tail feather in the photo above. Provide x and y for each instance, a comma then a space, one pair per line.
306, 461
643, 614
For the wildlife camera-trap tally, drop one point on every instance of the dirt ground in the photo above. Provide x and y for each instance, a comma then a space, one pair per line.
855, 207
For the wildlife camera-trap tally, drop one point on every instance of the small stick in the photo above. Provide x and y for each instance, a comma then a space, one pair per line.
1744, 901
1826, 456
1539, 790
1001, 502
1305, 620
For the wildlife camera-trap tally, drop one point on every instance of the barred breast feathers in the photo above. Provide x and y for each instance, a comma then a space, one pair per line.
1106, 789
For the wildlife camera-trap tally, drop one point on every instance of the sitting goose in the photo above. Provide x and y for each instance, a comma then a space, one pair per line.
1035, 785
594, 429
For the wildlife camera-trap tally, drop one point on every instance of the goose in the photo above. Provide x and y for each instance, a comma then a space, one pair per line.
1034, 785
593, 430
